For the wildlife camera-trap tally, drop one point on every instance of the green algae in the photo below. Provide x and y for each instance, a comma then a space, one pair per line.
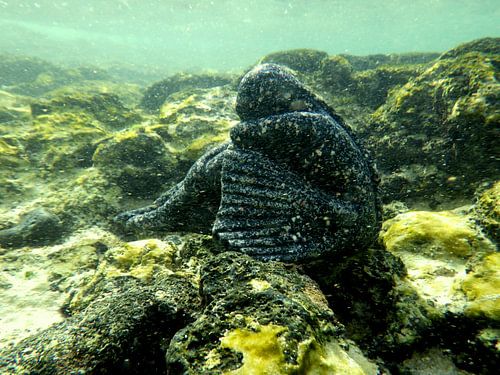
487, 210
444, 118
437, 248
156, 94
482, 288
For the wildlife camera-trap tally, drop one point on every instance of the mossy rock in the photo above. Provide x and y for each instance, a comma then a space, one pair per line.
336, 73
94, 198
446, 118
137, 160
61, 141
487, 209
194, 121
490, 46
104, 107
372, 86
23, 69
157, 93
437, 248
360, 63
482, 288
270, 320
301, 60
13, 107
127, 93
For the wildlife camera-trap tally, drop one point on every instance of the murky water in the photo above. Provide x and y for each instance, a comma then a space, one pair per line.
224, 34
366, 150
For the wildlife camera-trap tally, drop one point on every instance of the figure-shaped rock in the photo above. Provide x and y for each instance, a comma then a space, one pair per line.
292, 184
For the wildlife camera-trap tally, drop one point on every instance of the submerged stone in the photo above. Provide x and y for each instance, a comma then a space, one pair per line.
137, 160
156, 94
439, 249
302, 60
38, 227
282, 326
444, 120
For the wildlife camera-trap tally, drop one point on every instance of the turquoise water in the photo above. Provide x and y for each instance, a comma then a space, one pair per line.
222, 34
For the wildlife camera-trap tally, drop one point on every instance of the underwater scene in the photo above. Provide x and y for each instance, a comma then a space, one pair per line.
249, 187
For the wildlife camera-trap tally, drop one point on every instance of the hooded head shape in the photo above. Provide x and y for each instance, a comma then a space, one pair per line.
270, 89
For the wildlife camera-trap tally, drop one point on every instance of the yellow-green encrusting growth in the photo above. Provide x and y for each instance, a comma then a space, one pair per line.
263, 348
140, 259
482, 288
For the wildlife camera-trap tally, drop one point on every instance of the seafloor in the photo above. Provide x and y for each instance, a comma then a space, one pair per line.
79, 145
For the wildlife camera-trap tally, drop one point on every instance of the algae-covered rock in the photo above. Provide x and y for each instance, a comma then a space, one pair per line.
38, 227
270, 320
372, 86
447, 119
438, 250
482, 288
379, 308
267, 319
33, 281
336, 73
18, 69
60, 141
302, 60
367, 62
124, 96
487, 210
137, 160
120, 332
104, 107
157, 93
13, 107
93, 199
196, 120
484, 45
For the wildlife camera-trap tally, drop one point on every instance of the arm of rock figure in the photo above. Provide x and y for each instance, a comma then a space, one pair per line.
192, 203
